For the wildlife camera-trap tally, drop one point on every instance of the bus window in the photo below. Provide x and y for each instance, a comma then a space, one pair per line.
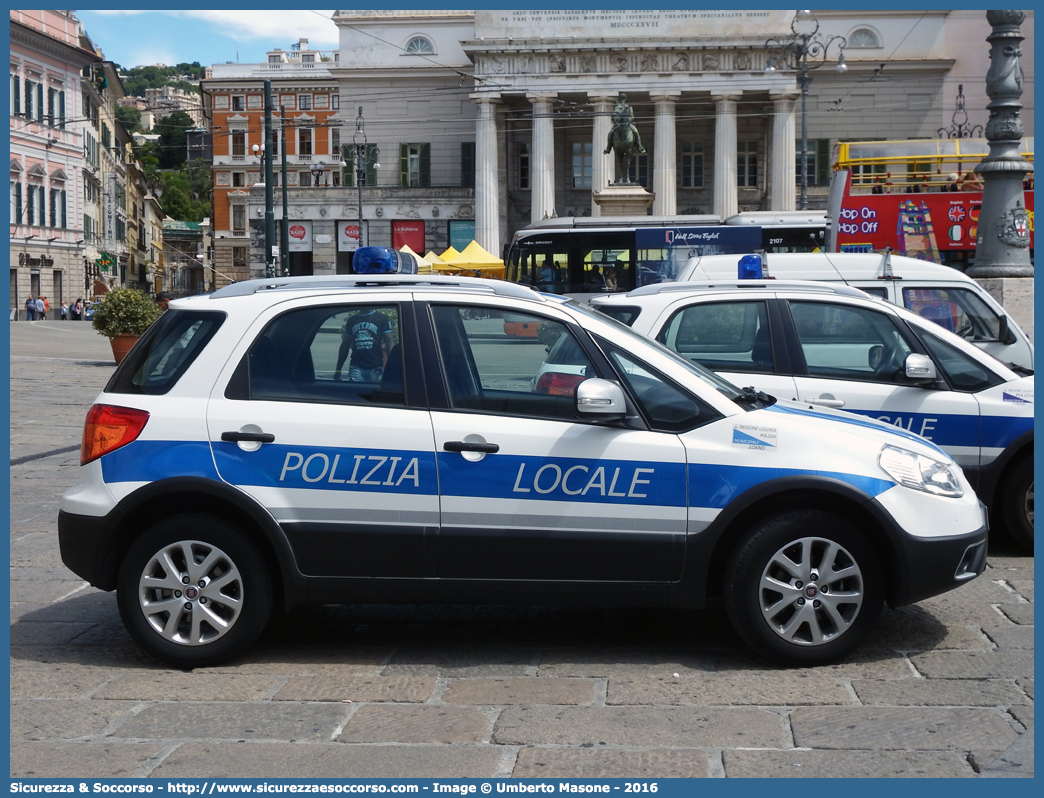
607, 271
551, 271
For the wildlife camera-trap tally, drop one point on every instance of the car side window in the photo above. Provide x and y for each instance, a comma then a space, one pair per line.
963, 373
850, 343
329, 354
666, 406
955, 309
511, 363
723, 336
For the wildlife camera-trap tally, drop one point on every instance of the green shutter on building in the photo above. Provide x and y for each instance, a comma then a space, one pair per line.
404, 164
467, 163
16, 92
425, 164
823, 162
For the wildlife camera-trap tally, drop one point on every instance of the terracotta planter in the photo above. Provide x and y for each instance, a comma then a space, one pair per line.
121, 345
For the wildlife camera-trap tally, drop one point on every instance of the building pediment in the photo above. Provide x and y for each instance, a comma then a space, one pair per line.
37, 171
58, 174
16, 165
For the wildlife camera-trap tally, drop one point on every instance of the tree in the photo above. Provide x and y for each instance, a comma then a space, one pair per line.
176, 203
171, 130
129, 116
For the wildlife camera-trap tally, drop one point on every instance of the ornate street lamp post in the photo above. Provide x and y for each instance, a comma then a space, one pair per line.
317, 170
364, 155
804, 50
959, 127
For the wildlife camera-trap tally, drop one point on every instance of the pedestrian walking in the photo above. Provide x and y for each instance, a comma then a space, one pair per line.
47, 307
30, 308
77, 309
40, 309
65, 311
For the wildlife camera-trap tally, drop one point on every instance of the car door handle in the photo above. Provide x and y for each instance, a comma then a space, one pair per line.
463, 446
829, 402
254, 437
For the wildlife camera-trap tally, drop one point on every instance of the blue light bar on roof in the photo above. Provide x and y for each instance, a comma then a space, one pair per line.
750, 267
382, 260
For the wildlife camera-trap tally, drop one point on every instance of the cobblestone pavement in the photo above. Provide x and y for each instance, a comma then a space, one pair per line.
942, 688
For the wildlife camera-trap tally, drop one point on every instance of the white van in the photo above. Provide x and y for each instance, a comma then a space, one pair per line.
946, 296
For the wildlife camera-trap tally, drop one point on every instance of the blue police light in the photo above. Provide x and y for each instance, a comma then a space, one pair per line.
382, 260
750, 267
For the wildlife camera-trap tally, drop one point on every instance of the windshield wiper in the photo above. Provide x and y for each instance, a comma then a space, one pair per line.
1025, 372
751, 396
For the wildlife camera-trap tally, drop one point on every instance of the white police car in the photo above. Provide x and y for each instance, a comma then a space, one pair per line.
836, 347
227, 468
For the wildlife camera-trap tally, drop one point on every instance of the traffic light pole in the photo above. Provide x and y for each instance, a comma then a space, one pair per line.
269, 194
284, 238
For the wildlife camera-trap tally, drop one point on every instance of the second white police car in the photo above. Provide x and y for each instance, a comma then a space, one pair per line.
832, 346
301, 441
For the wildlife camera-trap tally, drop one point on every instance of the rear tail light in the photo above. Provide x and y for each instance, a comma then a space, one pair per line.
108, 428
559, 384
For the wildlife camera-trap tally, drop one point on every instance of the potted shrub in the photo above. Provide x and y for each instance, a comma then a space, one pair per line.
122, 316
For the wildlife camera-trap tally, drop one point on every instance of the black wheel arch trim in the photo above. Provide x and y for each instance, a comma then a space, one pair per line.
159, 492
987, 481
710, 548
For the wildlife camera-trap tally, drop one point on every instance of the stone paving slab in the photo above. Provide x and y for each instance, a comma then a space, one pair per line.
56, 680
914, 728
90, 606
974, 664
938, 692
236, 721
176, 686
737, 689
1023, 713
1023, 586
330, 761
1021, 614
51, 760
1026, 683
1007, 637
34, 719
616, 662
42, 633
916, 628
666, 727
520, 691
805, 764
587, 763
475, 663
865, 663
400, 723
357, 689
43, 592
306, 660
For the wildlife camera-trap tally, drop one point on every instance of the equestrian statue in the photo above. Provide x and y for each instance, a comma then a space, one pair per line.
624, 140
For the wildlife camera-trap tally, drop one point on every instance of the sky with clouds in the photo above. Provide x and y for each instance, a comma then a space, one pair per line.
135, 38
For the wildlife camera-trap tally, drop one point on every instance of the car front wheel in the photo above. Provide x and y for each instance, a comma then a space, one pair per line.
193, 591
1017, 504
804, 588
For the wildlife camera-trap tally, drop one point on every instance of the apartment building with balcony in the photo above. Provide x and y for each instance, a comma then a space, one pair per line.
48, 52
306, 98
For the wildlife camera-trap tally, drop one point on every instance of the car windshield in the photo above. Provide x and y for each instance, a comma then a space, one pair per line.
723, 386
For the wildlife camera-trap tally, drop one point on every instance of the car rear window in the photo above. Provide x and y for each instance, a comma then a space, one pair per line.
165, 352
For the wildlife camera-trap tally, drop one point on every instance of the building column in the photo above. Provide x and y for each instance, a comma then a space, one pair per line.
542, 161
487, 188
726, 191
603, 167
782, 163
665, 155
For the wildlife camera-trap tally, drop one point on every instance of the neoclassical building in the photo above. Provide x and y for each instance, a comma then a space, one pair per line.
488, 120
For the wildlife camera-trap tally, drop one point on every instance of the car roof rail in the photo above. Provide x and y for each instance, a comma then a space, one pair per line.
348, 281
808, 286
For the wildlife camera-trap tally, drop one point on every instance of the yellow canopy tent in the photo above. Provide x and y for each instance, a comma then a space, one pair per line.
423, 264
449, 255
473, 260
432, 258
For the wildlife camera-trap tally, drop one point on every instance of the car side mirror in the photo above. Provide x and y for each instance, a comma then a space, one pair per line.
1005, 334
598, 397
920, 368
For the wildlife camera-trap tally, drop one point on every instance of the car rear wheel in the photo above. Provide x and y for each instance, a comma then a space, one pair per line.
194, 591
1017, 504
804, 588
